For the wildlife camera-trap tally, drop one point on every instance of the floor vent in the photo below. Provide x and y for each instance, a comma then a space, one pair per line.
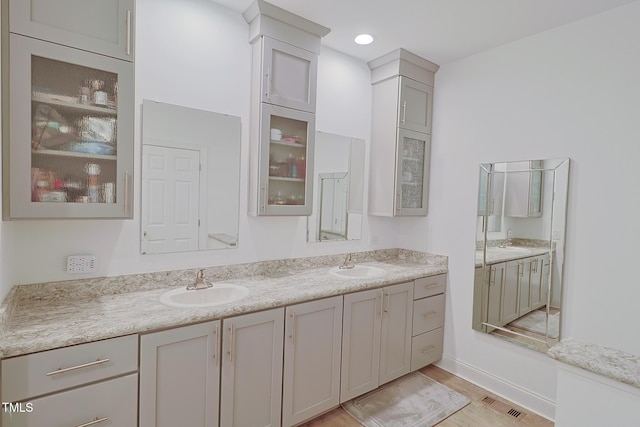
488, 400
514, 413
502, 407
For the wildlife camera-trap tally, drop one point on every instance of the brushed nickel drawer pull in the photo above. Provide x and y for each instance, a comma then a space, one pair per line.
430, 314
429, 349
73, 368
432, 286
95, 421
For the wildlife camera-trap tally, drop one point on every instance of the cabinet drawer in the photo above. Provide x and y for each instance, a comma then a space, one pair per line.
39, 373
426, 348
428, 314
432, 285
108, 403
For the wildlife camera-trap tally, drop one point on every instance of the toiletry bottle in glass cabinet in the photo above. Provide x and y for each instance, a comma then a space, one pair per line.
412, 173
286, 159
70, 137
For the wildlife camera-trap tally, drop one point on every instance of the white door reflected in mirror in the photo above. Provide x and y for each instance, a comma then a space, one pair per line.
190, 179
338, 189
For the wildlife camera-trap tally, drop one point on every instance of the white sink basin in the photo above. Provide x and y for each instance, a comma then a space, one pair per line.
216, 295
358, 272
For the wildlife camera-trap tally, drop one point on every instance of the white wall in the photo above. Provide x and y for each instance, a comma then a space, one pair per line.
570, 92
193, 53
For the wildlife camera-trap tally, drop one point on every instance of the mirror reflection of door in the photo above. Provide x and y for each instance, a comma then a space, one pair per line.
520, 251
171, 187
179, 194
334, 193
338, 189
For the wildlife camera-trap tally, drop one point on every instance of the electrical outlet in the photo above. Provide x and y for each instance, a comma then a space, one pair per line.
82, 264
374, 240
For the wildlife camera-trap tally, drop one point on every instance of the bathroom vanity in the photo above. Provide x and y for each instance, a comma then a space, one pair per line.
75, 339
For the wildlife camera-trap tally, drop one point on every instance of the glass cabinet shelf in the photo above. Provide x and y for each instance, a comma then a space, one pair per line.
71, 135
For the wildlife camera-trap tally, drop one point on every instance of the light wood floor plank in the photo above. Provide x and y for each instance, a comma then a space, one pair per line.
475, 414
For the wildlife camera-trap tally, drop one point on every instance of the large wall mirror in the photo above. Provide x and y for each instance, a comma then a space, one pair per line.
190, 179
520, 242
338, 188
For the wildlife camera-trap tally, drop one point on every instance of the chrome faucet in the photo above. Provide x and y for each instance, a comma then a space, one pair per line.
347, 263
200, 283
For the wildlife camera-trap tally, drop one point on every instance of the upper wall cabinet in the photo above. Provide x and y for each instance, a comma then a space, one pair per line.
67, 113
289, 75
400, 138
285, 50
100, 26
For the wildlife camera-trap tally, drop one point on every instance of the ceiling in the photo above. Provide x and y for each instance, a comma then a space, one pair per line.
438, 30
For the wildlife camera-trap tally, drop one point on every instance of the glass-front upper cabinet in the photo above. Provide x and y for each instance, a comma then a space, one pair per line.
99, 26
286, 159
70, 144
412, 173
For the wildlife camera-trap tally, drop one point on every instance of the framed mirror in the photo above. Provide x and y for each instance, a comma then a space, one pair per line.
190, 179
338, 188
520, 240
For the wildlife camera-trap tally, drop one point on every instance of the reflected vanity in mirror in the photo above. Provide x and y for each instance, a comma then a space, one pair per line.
520, 242
339, 189
190, 179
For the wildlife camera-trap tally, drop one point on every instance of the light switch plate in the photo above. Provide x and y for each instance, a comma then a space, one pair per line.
82, 264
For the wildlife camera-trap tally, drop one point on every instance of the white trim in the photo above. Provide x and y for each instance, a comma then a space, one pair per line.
523, 397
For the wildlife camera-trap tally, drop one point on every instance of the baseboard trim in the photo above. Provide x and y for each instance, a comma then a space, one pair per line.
527, 399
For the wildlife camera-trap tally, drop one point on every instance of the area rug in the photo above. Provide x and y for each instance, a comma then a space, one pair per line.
410, 401
535, 322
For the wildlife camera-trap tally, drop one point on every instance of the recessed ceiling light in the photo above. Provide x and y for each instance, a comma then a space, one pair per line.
364, 39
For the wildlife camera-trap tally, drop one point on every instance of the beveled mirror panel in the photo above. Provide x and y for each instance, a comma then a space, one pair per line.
338, 189
520, 242
190, 179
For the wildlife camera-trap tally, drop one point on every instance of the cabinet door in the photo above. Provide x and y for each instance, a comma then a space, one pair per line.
412, 173
286, 161
527, 273
251, 392
100, 26
536, 282
313, 336
180, 376
415, 103
360, 343
70, 134
107, 403
289, 76
510, 289
494, 295
395, 337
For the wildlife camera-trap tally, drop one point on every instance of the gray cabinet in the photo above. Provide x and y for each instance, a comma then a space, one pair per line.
376, 338
180, 376
428, 321
252, 354
285, 162
400, 138
312, 347
89, 383
285, 50
70, 157
99, 26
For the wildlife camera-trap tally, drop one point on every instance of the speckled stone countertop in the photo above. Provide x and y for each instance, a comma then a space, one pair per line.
50, 315
509, 253
609, 362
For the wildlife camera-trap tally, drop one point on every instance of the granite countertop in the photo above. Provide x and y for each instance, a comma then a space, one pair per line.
609, 362
50, 315
496, 254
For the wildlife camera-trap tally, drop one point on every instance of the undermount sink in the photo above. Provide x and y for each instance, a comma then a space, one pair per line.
216, 295
358, 272
514, 249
